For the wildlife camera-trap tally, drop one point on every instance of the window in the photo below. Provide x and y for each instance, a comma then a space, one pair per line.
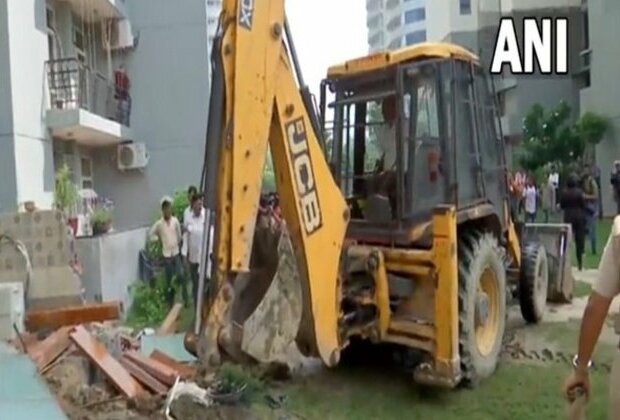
86, 166
415, 37
394, 44
78, 33
375, 21
376, 39
465, 7
501, 103
393, 24
415, 15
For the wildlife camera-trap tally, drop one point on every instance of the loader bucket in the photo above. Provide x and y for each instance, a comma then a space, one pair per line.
557, 239
267, 307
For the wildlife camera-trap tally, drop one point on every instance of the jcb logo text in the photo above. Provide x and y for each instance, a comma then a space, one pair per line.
303, 175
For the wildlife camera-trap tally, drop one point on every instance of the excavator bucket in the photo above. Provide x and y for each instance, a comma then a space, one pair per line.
558, 242
267, 307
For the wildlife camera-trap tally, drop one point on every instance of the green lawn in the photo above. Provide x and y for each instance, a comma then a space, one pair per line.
591, 260
517, 391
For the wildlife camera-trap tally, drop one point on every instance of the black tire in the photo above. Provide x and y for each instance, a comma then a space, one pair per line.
533, 282
480, 254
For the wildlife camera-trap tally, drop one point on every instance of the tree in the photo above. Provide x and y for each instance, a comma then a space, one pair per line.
591, 128
549, 138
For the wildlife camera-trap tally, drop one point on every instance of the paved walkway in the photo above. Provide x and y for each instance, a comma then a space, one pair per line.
23, 395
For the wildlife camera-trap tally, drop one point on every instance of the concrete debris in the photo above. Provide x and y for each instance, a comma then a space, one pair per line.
186, 400
99, 367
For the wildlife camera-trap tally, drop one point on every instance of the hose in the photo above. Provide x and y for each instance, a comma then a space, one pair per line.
21, 248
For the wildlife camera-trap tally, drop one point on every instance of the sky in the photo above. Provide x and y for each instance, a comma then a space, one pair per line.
326, 32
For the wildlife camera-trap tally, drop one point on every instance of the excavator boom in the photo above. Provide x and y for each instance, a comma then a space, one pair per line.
256, 102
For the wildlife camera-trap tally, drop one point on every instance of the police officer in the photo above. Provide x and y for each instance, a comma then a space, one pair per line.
606, 287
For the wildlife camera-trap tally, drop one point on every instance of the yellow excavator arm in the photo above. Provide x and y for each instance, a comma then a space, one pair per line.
258, 101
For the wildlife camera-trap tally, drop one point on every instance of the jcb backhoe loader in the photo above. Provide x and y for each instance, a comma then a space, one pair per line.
419, 252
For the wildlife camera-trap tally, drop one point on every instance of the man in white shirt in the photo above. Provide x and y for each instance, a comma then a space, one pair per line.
554, 181
191, 191
530, 194
168, 231
386, 134
193, 238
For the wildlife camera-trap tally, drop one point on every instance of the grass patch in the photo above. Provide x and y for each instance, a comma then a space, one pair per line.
516, 391
582, 288
590, 260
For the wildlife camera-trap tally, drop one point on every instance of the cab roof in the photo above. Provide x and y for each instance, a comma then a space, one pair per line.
415, 52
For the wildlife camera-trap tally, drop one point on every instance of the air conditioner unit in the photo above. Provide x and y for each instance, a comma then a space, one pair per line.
118, 34
132, 156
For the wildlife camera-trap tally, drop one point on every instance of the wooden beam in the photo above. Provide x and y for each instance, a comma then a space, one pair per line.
72, 315
112, 369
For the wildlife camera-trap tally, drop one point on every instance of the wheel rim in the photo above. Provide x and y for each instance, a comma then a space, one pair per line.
487, 312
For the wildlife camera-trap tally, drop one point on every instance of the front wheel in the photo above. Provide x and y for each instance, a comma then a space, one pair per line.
482, 305
533, 282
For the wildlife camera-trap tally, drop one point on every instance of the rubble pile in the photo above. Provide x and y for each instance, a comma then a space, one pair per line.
96, 368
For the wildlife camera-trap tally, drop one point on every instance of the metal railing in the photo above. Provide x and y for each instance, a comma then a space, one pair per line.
73, 85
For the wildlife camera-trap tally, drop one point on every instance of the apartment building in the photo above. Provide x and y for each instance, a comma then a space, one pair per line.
600, 65
474, 24
395, 23
60, 103
118, 91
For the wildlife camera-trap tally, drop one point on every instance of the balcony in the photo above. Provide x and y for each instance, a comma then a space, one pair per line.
91, 11
511, 125
585, 59
85, 106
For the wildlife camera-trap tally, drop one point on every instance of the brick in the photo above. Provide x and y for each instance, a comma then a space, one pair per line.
45, 352
183, 370
73, 315
157, 369
143, 377
112, 369
170, 323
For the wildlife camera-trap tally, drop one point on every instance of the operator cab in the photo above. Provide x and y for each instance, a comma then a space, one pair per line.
398, 122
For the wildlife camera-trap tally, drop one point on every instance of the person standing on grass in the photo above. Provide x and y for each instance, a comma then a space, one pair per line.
615, 184
554, 180
590, 189
547, 198
168, 231
194, 228
604, 289
573, 202
530, 195
191, 191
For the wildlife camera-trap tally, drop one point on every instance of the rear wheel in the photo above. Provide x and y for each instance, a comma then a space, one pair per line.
533, 282
482, 306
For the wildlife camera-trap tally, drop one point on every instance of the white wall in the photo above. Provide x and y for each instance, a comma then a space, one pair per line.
34, 172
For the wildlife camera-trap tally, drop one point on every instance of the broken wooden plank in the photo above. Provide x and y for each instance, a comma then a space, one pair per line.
72, 315
113, 370
143, 376
184, 371
157, 369
45, 352
170, 323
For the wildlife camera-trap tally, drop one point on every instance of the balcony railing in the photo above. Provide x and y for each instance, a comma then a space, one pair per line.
585, 58
72, 85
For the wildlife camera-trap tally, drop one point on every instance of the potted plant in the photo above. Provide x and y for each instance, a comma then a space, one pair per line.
101, 221
66, 196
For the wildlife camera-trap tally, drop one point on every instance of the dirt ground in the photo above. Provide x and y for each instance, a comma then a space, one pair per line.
534, 363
